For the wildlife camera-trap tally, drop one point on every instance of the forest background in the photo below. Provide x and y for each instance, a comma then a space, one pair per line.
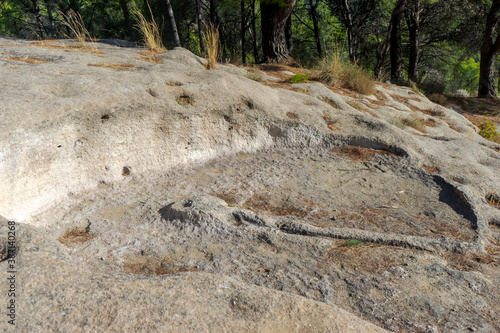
441, 46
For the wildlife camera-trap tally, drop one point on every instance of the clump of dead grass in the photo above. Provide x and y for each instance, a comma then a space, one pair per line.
75, 24
493, 200
150, 32
76, 235
184, 100
413, 121
212, 45
438, 99
150, 56
359, 154
28, 60
337, 71
114, 66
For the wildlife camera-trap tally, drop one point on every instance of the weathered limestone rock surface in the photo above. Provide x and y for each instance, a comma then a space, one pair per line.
166, 197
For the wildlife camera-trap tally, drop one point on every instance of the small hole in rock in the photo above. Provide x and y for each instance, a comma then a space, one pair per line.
185, 100
126, 171
493, 200
105, 117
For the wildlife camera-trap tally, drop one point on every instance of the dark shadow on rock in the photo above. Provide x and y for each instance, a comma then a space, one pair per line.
454, 198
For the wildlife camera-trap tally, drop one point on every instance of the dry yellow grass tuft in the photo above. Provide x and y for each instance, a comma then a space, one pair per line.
150, 56
75, 24
114, 66
493, 200
149, 31
212, 45
335, 70
28, 60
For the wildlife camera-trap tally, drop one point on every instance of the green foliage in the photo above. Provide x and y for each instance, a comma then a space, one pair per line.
353, 242
299, 78
488, 129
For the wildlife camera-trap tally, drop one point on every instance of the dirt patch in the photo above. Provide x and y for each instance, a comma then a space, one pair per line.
76, 235
367, 257
330, 122
262, 203
469, 262
430, 169
359, 154
291, 115
391, 219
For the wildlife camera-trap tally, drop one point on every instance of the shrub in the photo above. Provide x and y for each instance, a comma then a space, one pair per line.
337, 71
438, 99
212, 45
488, 129
299, 78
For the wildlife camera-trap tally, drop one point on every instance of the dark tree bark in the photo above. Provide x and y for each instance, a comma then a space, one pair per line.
382, 55
38, 18
214, 18
199, 20
353, 14
396, 48
48, 5
274, 17
254, 31
413, 21
314, 17
126, 16
349, 25
490, 49
243, 28
289, 34
171, 18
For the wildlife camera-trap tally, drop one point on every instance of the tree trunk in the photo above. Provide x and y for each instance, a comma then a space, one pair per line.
396, 49
48, 5
314, 17
288, 34
126, 16
382, 55
243, 28
274, 17
213, 13
38, 19
254, 32
199, 20
254, 29
171, 18
413, 21
490, 48
349, 25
